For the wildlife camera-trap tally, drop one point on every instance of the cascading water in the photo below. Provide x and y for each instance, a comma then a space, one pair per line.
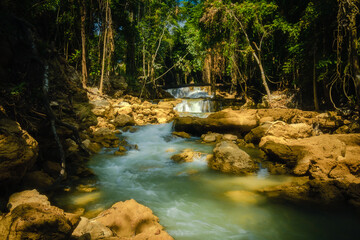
197, 100
196, 203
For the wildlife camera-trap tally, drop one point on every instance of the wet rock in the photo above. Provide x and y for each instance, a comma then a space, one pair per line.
85, 188
118, 153
229, 158
92, 146
187, 155
245, 197
182, 134
132, 220
211, 137
32, 217
105, 137
122, 149
18, 153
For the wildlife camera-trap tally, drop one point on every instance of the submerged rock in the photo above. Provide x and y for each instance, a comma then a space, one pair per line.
229, 158
182, 134
187, 155
211, 137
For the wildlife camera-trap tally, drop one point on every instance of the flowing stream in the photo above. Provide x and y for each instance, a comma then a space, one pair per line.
194, 202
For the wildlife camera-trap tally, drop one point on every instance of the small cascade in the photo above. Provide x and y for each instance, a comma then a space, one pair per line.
194, 106
190, 92
196, 100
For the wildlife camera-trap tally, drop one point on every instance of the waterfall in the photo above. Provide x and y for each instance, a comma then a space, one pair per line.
195, 99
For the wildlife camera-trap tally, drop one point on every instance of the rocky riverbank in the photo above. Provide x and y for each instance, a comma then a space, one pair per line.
308, 145
31, 216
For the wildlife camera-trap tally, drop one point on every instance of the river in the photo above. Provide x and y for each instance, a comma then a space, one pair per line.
194, 202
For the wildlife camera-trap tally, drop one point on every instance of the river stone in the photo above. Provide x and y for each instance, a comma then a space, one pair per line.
229, 137
132, 220
211, 137
229, 158
182, 134
187, 155
122, 120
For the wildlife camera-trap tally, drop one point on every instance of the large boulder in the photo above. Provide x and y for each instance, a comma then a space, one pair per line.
32, 217
318, 155
329, 165
132, 220
242, 121
18, 153
229, 158
91, 228
224, 121
279, 129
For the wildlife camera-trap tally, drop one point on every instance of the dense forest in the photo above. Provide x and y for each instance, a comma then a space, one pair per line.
251, 47
230, 119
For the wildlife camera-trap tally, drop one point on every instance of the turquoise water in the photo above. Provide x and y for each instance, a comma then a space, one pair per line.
194, 202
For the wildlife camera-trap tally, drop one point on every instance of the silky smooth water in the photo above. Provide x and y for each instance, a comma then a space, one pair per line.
197, 100
196, 203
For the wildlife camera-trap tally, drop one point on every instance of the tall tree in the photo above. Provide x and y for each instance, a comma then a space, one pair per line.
82, 5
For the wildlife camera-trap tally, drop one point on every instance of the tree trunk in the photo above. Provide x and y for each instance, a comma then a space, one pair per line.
316, 102
256, 56
211, 73
83, 42
354, 56
130, 38
263, 76
103, 64
104, 49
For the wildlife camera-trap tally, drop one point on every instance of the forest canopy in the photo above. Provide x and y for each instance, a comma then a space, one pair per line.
245, 46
